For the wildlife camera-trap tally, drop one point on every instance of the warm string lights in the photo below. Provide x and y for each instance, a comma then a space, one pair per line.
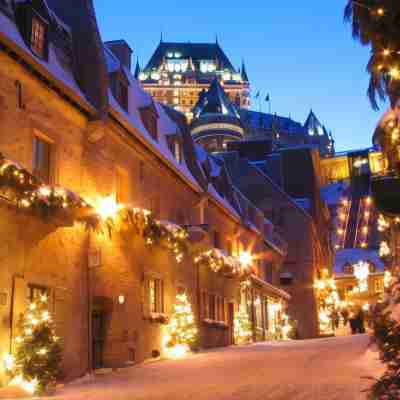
327, 298
219, 262
362, 272
35, 362
364, 222
111, 217
341, 222
242, 326
181, 332
29, 194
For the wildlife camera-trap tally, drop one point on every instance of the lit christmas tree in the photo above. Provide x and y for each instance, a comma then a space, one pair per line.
242, 326
35, 364
181, 330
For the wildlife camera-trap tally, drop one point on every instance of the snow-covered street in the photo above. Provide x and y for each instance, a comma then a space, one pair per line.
327, 369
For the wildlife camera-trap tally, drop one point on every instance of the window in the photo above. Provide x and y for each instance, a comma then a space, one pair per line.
258, 311
36, 291
122, 186
141, 171
204, 304
286, 279
174, 145
229, 247
211, 306
156, 295
217, 240
379, 286
42, 159
149, 117
38, 37
121, 93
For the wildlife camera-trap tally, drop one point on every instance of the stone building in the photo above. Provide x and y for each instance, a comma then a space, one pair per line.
79, 129
310, 252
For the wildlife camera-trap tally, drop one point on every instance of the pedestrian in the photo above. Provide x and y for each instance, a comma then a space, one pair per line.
353, 322
360, 321
335, 319
345, 315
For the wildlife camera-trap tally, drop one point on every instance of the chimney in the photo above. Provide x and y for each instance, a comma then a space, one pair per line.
122, 51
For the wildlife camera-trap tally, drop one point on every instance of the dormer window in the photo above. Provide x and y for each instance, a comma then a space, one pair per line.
119, 87
149, 117
38, 37
175, 147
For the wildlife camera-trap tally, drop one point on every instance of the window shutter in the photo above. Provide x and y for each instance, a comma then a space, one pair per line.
161, 307
146, 297
58, 305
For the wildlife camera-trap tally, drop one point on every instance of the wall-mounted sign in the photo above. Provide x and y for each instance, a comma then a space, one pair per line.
3, 298
94, 258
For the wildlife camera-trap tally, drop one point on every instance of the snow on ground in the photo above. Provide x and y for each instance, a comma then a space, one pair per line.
321, 369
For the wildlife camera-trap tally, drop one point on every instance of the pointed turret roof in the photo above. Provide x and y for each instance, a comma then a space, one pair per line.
137, 70
313, 125
244, 73
215, 101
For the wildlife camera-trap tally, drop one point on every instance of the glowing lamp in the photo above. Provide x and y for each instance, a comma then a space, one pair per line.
108, 208
8, 361
246, 258
121, 299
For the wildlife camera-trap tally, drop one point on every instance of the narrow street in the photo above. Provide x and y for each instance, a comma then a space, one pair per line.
327, 369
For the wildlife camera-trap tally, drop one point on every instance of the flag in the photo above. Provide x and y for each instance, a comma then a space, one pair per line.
257, 95
267, 99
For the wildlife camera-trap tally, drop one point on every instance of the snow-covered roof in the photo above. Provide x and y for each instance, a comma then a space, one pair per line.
353, 256
58, 70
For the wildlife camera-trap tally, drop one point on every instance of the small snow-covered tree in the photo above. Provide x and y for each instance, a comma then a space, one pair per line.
181, 330
242, 326
38, 354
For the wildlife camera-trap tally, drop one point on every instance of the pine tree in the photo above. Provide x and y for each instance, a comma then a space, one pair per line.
38, 353
181, 330
242, 326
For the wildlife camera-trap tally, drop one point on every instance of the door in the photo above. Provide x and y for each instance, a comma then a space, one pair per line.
98, 338
231, 316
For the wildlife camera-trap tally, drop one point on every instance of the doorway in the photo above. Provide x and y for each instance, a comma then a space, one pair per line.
231, 316
98, 329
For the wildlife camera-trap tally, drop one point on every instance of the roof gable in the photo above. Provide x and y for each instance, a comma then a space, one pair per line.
193, 51
215, 101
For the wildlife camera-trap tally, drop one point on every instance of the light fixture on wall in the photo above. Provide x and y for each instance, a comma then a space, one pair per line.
121, 299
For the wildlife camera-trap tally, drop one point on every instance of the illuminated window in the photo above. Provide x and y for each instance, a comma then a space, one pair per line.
379, 286
36, 291
122, 186
156, 295
38, 37
211, 306
42, 154
258, 311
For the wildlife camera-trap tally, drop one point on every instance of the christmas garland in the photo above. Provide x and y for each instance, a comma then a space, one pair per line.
223, 264
142, 223
28, 193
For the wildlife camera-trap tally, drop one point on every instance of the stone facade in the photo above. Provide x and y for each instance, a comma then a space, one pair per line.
99, 285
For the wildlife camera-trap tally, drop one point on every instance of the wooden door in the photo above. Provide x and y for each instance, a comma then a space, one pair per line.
97, 338
231, 316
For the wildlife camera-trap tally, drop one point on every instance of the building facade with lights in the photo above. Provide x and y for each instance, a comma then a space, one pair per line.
84, 138
177, 73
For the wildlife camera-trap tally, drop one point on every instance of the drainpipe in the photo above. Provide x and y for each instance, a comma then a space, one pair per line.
89, 307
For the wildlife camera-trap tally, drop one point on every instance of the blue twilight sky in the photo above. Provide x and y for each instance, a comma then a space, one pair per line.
299, 52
